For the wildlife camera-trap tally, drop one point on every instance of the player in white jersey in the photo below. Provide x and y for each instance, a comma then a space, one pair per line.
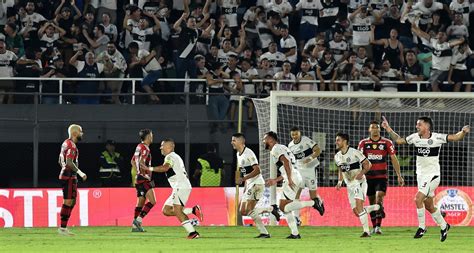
254, 184
285, 163
427, 146
306, 152
173, 167
353, 165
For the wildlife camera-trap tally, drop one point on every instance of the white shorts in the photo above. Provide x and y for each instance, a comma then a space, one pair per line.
178, 197
254, 192
288, 192
310, 180
356, 191
428, 184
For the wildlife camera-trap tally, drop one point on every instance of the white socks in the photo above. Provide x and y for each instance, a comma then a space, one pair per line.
258, 222
371, 208
438, 218
364, 220
187, 225
187, 210
290, 218
421, 217
296, 205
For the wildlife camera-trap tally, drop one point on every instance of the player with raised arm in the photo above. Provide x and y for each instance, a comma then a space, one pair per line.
173, 167
141, 160
68, 160
254, 184
285, 163
353, 166
377, 149
427, 147
306, 152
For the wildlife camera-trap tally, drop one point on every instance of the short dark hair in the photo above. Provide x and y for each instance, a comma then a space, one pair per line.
168, 140
428, 120
343, 136
295, 128
273, 135
374, 122
101, 28
144, 133
238, 135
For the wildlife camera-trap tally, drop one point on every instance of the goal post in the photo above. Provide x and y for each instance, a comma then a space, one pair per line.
321, 114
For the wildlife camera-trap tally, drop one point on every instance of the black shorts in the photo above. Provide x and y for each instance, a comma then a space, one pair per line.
144, 187
376, 185
460, 76
69, 188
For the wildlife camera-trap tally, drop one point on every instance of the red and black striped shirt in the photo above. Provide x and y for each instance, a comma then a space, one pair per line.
377, 153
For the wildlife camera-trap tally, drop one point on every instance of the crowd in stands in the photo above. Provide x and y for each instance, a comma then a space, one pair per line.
323, 40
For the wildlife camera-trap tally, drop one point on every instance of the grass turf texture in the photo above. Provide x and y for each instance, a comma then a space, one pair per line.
232, 239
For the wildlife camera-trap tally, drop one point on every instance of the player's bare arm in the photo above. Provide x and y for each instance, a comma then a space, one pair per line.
286, 164
339, 178
314, 155
70, 164
460, 135
255, 172
395, 137
396, 166
270, 181
163, 168
365, 168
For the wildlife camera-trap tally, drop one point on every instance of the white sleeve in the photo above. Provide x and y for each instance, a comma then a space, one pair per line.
361, 157
253, 158
100, 67
336, 159
298, 5
79, 66
440, 138
410, 138
310, 142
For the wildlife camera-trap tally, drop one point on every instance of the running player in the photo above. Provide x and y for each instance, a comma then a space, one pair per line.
254, 184
285, 162
376, 149
141, 160
68, 160
427, 146
306, 152
353, 165
174, 169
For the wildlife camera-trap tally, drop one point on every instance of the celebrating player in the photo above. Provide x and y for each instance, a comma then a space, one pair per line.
353, 165
174, 169
427, 145
306, 152
254, 184
141, 160
68, 160
376, 149
285, 162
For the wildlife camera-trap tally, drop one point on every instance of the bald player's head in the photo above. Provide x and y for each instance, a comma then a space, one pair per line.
75, 132
167, 146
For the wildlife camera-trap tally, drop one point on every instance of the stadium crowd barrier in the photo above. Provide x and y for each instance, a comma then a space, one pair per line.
114, 207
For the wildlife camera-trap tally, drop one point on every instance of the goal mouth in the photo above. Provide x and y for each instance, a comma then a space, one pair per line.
320, 115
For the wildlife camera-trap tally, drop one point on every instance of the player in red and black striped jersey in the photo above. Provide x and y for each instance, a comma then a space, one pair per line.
141, 160
68, 160
377, 149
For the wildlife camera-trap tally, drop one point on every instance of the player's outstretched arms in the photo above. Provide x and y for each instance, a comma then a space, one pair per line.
395, 137
460, 135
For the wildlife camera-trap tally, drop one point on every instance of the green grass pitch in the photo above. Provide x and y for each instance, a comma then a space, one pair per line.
232, 239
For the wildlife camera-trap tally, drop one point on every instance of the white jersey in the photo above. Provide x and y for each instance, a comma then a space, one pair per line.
7, 60
464, 8
427, 152
264, 33
427, 12
281, 150
361, 30
286, 45
276, 59
245, 162
351, 165
442, 54
229, 9
310, 11
284, 8
302, 150
151, 65
338, 49
459, 59
458, 31
176, 175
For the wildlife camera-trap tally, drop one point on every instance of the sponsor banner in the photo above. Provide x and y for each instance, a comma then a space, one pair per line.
115, 207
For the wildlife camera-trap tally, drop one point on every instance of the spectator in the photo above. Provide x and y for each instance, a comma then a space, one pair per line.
63, 15
109, 28
209, 169
306, 73
89, 23
235, 90
288, 46
143, 34
411, 71
6, 7
458, 73
199, 87
309, 19
229, 10
54, 70
282, 7
13, 40
107, 6
286, 74
392, 48
49, 35
339, 47
30, 21
114, 67
152, 68
27, 67
274, 57
110, 164
88, 68
99, 42
462, 6
361, 23
326, 72
130, 21
218, 102
7, 62
458, 29
347, 71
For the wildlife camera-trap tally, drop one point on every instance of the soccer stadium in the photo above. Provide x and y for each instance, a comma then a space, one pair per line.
236, 126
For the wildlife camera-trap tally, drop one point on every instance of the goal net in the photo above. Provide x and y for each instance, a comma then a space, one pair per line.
320, 115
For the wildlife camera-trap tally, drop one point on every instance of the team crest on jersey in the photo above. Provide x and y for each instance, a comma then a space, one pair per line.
348, 159
456, 204
374, 146
430, 142
381, 147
